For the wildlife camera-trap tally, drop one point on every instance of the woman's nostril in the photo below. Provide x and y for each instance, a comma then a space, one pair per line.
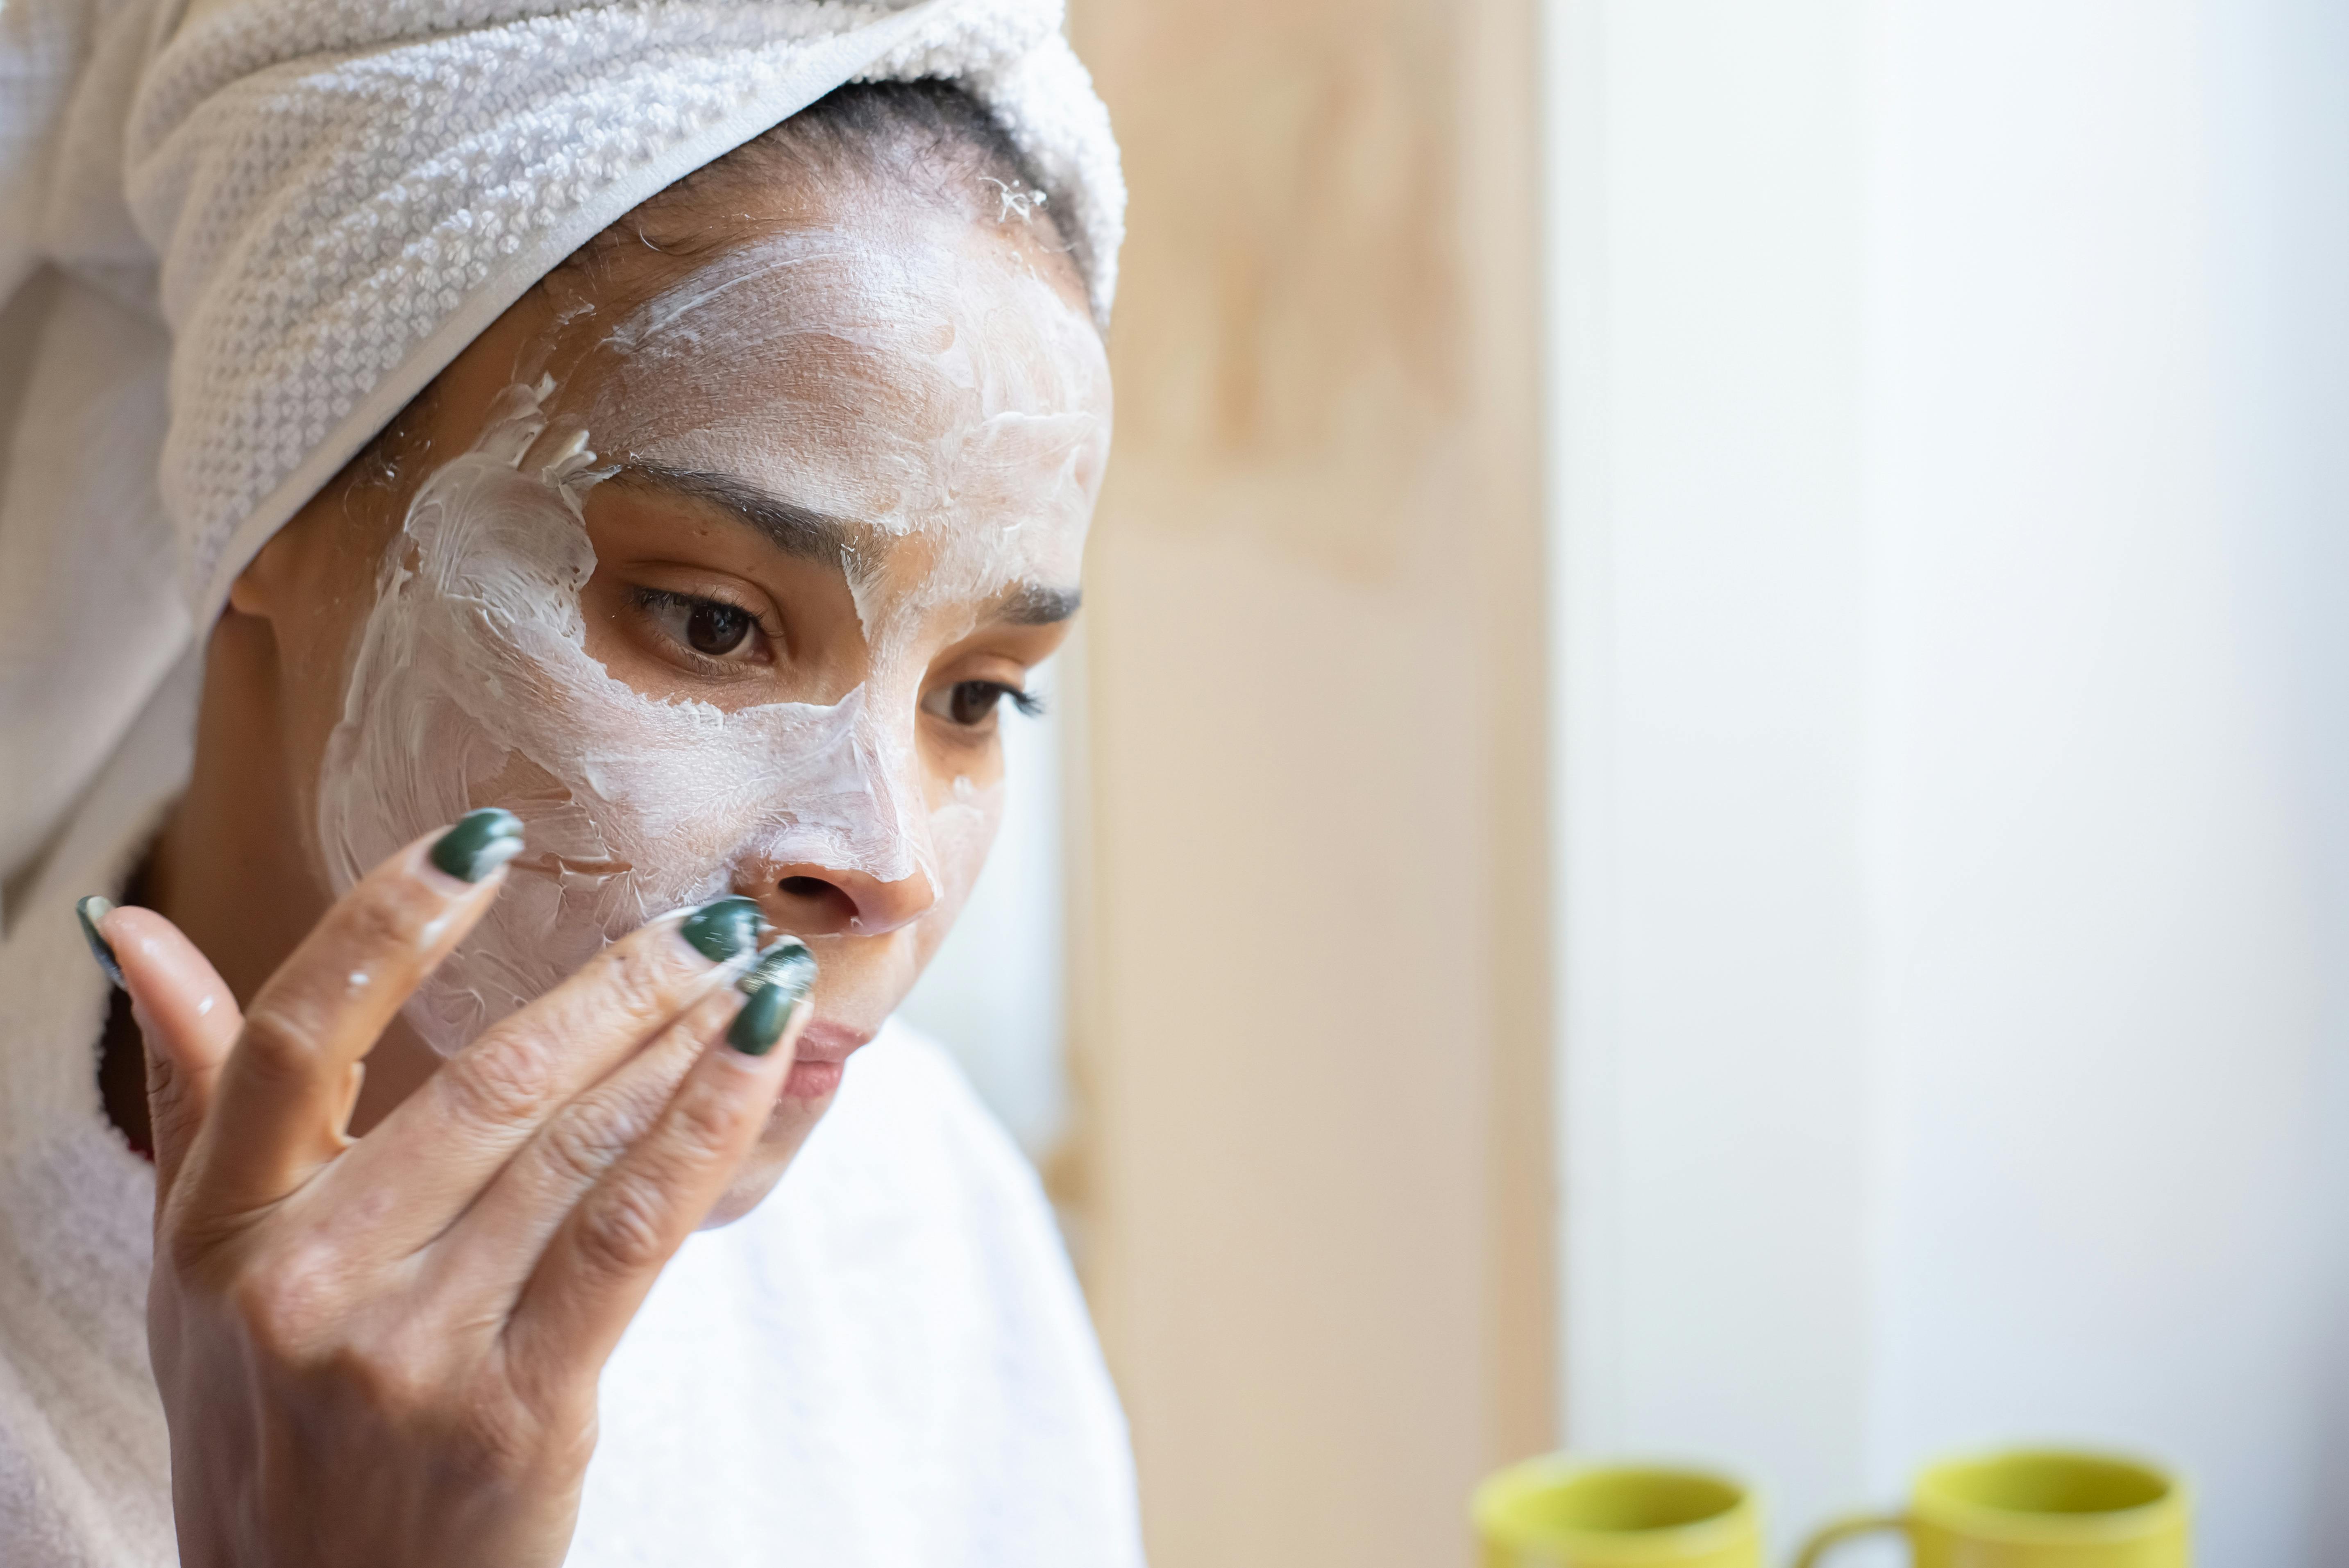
805, 887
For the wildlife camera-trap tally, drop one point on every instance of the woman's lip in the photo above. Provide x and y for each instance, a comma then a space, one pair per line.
809, 1080
825, 1040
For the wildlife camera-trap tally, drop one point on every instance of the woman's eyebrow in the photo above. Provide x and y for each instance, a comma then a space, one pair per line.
818, 536
794, 528
1033, 604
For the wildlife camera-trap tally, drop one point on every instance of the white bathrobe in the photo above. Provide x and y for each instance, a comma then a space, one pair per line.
237, 236
886, 1363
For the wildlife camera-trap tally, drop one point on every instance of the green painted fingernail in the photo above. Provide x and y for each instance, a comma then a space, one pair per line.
723, 928
92, 910
777, 988
781, 964
479, 843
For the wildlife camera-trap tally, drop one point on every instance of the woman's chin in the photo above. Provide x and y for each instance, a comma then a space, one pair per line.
794, 1116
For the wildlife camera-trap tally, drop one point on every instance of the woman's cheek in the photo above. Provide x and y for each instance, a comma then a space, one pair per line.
963, 825
609, 642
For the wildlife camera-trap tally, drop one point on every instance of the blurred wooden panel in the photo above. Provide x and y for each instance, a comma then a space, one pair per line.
1313, 1178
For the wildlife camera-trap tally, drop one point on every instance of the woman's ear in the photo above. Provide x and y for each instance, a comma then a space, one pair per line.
261, 589
248, 595
274, 579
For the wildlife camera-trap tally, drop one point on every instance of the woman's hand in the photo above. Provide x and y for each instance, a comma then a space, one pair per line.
386, 1351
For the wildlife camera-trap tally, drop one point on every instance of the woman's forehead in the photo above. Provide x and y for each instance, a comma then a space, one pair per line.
924, 351
917, 379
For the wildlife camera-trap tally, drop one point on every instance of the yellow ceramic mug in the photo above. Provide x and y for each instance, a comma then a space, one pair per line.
2036, 1508
1559, 1513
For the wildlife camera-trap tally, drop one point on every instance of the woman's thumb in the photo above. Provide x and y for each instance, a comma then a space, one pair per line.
188, 1018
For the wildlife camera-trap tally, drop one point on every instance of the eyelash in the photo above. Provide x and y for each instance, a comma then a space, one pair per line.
1030, 705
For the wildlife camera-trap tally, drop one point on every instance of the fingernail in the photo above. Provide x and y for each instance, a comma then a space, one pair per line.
90, 911
777, 988
723, 928
479, 843
781, 964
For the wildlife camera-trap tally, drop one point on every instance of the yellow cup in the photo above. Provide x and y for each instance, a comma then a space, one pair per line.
2036, 1508
1559, 1512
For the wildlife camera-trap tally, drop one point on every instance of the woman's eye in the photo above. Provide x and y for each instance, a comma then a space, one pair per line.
970, 703
710, 627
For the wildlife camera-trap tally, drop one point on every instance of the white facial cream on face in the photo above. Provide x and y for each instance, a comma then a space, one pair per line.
941, 406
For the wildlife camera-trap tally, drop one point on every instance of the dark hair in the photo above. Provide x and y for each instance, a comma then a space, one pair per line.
931, 129
929, 137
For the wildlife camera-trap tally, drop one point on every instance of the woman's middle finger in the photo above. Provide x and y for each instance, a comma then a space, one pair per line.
430, 1158
601, 1260
494, 1245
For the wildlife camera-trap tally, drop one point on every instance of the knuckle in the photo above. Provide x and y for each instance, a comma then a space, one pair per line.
285, 1300
640, 983
621, 1232
549, 1389
704, 1121
503, 1080
388, 1379
566, 1449
503, 1438
583, 1143
388, 914
278, 1040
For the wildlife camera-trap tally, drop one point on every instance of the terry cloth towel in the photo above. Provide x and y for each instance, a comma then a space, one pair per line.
237, 236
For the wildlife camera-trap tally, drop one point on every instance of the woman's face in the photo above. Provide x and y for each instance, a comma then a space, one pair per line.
719, 574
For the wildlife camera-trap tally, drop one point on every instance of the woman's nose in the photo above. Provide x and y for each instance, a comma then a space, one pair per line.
825, 901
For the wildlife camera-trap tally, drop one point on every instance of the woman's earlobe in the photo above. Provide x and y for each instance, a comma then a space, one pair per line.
252, 593
244, 596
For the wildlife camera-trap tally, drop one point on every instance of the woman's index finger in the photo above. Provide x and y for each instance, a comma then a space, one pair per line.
278, 1109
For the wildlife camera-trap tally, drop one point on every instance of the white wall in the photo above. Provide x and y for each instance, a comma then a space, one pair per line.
2281, 125
1714, 1131
1947, 755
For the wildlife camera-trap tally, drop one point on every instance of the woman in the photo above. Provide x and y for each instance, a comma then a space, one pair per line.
617, 499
